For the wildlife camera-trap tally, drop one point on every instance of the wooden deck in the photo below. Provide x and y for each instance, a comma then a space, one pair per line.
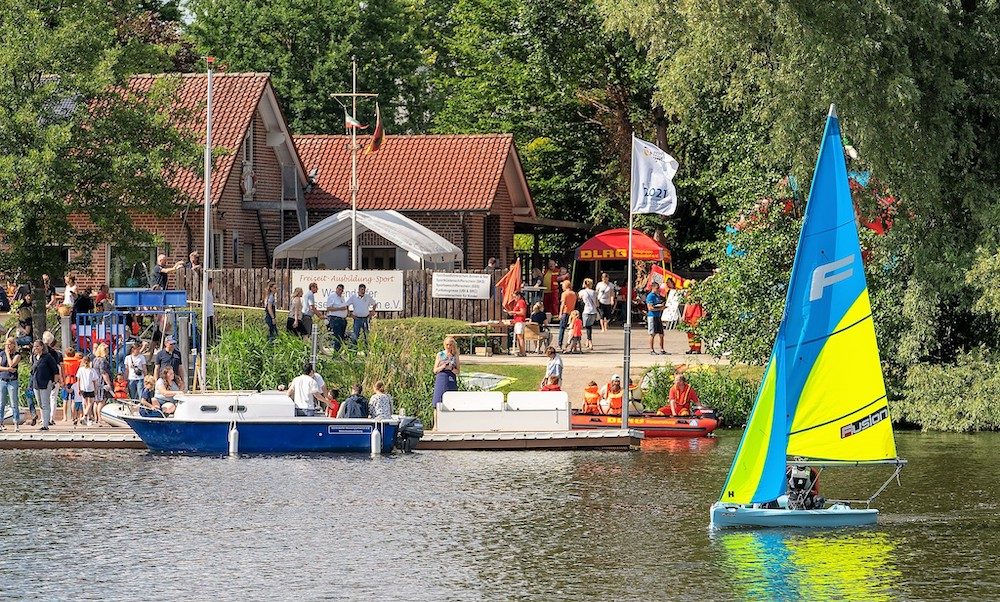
68, 437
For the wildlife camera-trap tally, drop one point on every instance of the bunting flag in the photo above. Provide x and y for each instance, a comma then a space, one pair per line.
351, 123
375, 142
510, 284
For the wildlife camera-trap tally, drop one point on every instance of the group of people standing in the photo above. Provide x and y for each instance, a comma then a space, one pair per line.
303, 310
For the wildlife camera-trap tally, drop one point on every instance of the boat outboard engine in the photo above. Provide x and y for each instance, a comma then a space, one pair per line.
409, 433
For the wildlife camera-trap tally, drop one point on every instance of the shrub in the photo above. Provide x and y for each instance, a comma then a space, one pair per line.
730, 390
243, 359
960, 397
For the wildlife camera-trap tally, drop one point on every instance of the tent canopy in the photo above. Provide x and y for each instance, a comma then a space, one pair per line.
395, 227
613, 244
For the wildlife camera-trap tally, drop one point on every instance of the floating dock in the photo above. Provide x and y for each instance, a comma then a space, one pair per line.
68, 437
589, 439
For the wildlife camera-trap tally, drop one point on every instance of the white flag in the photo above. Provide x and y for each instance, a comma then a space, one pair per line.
652, 179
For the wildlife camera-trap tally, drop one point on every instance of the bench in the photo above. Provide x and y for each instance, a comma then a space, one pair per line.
487, 339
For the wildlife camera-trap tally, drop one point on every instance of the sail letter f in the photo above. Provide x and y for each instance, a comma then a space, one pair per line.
824, 276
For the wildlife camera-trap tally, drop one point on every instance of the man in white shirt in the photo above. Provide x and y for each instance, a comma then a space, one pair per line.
305, 391
361, 305
336, 316
309, 309
209, 303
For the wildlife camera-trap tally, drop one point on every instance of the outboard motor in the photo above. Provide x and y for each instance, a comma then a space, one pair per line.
411, 430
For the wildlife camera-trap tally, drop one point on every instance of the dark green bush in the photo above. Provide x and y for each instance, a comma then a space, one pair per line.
959, 397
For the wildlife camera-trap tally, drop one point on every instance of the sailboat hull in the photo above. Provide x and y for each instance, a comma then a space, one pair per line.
727, 516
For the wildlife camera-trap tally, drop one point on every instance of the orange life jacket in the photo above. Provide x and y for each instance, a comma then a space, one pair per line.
71, 365
615, 399
121, 388
591, 400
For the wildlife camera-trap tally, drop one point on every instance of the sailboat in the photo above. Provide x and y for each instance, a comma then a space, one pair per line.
822, 401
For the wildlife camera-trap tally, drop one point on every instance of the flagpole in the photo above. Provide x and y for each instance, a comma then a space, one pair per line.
354, 164
202, 371
627, 396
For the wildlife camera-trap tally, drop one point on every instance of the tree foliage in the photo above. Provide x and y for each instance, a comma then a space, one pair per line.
307, 47
79, 157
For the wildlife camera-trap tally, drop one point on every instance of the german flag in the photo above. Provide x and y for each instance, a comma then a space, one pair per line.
375, 142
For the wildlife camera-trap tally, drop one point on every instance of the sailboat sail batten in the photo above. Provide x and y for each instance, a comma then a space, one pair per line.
841, 417
834, 333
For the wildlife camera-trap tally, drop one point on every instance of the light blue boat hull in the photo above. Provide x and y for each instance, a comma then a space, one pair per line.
726, 516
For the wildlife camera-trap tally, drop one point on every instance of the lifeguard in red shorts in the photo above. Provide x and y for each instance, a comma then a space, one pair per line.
681, 396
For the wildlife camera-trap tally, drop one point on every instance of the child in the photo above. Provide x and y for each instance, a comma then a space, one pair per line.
538, 316
334, 406
120, 387
70, 366
576, 332
146, 396
591, 398
86, 382
552, 384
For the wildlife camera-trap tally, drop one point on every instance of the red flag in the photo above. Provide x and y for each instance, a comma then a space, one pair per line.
510, 284
375, 142
658, 277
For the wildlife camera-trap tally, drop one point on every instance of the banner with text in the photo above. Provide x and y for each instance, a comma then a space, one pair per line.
385, 286
452, 285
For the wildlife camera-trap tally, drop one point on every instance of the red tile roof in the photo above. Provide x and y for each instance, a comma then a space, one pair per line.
416, 173
235, 97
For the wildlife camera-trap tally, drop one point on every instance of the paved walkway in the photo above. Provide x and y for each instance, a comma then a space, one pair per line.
607, 358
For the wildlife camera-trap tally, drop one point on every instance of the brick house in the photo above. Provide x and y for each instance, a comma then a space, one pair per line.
257, 178
470, 189
467, 188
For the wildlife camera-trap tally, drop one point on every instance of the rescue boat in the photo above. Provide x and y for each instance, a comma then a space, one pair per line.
651, 424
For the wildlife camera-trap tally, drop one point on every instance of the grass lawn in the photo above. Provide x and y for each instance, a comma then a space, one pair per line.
527, 377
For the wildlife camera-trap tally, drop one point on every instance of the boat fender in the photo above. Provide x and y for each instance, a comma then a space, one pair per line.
234, 440
376, 441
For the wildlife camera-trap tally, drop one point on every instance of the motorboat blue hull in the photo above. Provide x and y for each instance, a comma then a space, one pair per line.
838, 515
289, 436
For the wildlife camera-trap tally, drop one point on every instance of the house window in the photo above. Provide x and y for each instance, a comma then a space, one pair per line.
248, 180
378, 258
216, 256
130, 268
236, 247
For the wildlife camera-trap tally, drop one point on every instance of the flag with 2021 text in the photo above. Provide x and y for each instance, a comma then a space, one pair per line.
652, 179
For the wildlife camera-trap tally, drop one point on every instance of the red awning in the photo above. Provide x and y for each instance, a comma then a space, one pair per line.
613, 244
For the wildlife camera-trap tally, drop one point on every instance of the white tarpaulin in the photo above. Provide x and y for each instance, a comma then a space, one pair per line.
398, 229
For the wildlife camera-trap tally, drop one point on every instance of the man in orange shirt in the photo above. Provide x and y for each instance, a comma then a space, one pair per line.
681, 396
567, 304
693, 313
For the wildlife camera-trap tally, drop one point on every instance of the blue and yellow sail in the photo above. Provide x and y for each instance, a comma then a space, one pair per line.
823, 396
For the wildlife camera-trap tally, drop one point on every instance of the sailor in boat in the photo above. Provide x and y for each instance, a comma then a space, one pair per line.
166, 390
591, 398
305, 392
613, 394
355, 406
803, 488
681, 396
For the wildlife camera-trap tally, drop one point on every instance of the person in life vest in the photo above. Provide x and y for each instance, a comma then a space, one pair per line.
693, 313
681, 396
552, 384
591, 399
803, 488
70, 366
120, 387
614, 394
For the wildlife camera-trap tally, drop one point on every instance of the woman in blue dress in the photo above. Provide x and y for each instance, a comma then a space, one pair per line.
446, 367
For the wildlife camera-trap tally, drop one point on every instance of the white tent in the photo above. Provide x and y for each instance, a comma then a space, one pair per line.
419, 242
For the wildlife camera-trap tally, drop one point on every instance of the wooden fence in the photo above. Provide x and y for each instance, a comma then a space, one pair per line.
246, 287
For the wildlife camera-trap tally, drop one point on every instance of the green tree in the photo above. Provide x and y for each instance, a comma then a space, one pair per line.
307, 47
79, 156
746, 85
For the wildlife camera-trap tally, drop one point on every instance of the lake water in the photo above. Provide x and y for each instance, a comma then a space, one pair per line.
87, 525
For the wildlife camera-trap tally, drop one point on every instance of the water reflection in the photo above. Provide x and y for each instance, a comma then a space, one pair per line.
680, 444
789, 565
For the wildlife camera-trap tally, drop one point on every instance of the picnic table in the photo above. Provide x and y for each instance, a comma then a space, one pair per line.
486, 331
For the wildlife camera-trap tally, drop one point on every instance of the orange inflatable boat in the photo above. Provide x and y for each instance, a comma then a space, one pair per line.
651, 424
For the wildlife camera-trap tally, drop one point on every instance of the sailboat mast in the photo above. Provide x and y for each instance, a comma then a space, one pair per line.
626, 362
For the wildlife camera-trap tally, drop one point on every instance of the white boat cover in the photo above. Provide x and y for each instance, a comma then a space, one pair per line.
395, 227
